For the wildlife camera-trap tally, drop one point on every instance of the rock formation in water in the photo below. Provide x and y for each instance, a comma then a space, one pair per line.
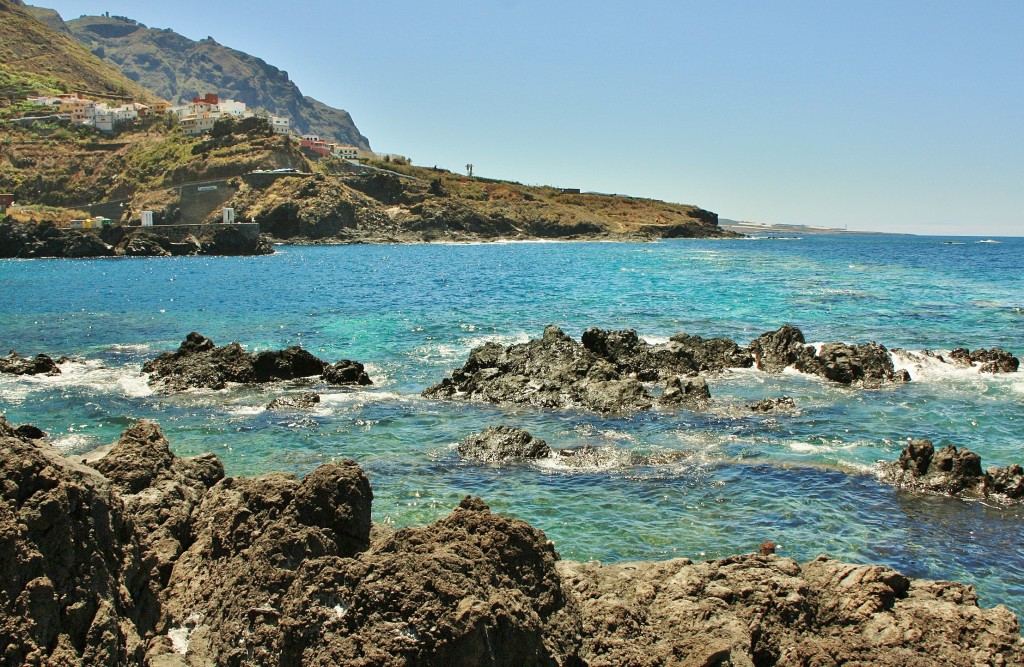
199, 363
41, 364
603, 374
606, 370
994, 360
162, 561
304, 401
952, 471
502, 443
867, 364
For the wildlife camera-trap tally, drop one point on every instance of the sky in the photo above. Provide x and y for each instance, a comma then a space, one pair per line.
882, 116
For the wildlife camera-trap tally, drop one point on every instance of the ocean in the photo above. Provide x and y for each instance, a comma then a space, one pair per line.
805, 480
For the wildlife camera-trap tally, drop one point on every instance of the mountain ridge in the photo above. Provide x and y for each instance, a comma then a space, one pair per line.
178, 68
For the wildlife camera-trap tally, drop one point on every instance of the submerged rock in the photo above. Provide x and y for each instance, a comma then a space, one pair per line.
303, 401
40, 364
782, 403
952, 472
200, 364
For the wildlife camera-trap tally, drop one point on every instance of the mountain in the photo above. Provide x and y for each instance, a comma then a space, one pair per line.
178, 68
27, 46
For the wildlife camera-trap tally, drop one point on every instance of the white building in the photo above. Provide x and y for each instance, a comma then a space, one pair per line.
280, 124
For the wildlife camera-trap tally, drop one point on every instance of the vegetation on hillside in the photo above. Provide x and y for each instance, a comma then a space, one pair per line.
29, 46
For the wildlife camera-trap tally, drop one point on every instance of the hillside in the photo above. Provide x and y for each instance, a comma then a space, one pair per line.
178, 68
55, 61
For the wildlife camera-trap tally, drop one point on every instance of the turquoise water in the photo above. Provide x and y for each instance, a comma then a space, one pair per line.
412, 314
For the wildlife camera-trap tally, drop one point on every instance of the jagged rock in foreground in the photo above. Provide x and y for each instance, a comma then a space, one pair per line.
766, 610
601, 374
40, 364
303, 401
76, 587
952, 472
280, 571
200, 364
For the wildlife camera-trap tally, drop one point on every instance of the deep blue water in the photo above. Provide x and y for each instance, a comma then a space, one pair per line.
412, 313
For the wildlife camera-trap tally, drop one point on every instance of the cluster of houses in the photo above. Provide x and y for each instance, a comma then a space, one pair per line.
195, 118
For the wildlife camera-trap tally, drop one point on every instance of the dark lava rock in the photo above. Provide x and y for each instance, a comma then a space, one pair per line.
82, 244
76, 587
995, 360
866, 364
346, 372
503, 443
277, 571
952, 472
199, 363
303, 401
159, 489
474, 588
690, 392
30, 432
775, 350
784, 403
555, 372
16, 364
142, 245
710, 354
230, 591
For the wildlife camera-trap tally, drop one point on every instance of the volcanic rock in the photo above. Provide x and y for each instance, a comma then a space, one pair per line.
953, 472
690, 392
346, 372
76, 587
16, 364
503, 443
228, 592
159, 490
765, 610
710, 354
556, 372
995, 360
772, 404
199, 363
867, 364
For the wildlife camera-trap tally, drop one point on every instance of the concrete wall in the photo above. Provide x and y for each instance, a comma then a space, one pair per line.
199, 200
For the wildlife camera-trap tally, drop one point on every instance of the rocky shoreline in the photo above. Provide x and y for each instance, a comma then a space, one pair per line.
138, 557
24, 241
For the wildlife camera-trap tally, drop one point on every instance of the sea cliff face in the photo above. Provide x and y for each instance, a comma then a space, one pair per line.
137, 557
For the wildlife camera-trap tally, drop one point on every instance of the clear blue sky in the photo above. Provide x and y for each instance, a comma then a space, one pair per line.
887, 116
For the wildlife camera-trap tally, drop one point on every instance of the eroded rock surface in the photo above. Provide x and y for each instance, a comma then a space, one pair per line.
76, 587
198, 363
952, 471
765, 610
865, 364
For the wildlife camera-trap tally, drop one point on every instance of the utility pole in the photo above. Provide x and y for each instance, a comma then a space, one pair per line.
469, 170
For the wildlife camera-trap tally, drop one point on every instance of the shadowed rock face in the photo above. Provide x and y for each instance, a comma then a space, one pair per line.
200, 364
952, 472
275, 570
